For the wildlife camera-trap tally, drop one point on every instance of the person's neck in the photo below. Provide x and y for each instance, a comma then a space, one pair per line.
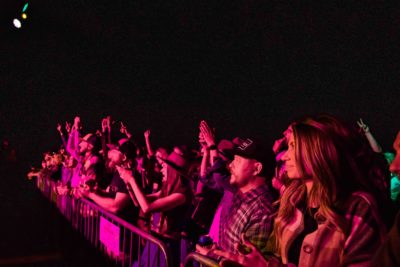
253, 184
309, 184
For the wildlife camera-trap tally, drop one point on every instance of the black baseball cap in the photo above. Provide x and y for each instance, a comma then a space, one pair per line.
253, 149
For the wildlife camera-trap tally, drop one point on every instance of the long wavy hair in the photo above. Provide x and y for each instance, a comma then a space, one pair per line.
326, 152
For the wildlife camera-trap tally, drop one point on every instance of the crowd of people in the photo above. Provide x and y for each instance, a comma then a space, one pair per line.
325, 193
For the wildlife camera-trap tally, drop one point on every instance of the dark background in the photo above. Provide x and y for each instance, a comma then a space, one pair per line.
249, 67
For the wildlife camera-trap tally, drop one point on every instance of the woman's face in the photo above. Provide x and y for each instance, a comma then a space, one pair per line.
158, 157
161, 154
289, 158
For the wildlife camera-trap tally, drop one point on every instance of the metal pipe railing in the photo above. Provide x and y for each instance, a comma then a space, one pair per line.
85, 216
202, 260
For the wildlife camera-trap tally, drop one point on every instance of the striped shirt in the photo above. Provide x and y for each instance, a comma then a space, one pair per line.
251, 213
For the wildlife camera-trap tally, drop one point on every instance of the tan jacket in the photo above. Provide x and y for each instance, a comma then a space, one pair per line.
328, 246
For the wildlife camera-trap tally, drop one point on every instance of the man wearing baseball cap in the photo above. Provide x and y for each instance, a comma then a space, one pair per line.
116, 198
251, 210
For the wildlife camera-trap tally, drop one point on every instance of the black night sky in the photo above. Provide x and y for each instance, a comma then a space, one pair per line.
248, 67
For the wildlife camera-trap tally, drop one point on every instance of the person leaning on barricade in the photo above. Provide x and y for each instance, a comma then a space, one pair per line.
172, 201
116, 198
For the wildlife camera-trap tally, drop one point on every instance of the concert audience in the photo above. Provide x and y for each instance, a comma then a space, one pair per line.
328, 214
333, 192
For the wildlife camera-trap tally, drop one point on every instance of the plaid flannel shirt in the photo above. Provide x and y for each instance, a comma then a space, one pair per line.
330, 247
252, 214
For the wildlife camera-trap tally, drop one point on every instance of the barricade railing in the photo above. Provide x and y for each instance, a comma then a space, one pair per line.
200, 259
121, 241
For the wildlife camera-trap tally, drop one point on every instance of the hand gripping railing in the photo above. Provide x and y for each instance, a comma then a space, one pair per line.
87, 218
203, 260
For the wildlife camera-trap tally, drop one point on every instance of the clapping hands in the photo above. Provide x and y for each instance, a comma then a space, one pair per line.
106, 124
206, 134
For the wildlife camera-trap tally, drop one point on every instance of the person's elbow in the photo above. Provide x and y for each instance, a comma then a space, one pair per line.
114, 209
147, 210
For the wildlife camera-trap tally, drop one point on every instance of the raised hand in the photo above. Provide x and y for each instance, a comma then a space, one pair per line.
77, 123
122, 129
147, 133
363, 126
206, 133
59, 128
103, 125
68, 127
108, 122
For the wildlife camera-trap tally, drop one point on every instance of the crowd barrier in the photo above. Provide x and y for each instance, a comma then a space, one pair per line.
200, 260
121, 241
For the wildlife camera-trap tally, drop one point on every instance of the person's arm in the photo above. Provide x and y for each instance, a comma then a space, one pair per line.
33, 173
124, 130
59, 129
103, 137
250, 259
73, 140
203, 166
153, 196
108, 126
203, 169
113, 205
217, 178
72, 144
68, 127
160, 204
150, 151
371, 139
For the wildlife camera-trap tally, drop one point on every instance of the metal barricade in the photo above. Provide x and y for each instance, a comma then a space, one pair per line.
121, 241
200, 259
